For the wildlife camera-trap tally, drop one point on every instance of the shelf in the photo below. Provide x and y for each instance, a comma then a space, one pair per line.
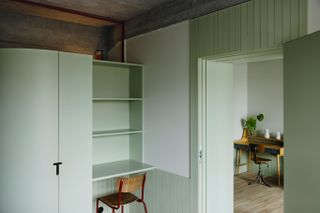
116, 64
115, 132
117, 99
118, 168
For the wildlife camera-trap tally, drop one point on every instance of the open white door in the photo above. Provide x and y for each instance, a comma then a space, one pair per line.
301, 124
215, 137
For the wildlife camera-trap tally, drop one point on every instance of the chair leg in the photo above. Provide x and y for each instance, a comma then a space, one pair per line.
97, 206
122, 210
260, 179
145, 206
113, 211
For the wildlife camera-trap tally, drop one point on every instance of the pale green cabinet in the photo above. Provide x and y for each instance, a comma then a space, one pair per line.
45, 117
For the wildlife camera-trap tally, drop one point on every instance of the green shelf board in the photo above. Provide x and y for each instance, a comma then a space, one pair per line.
115, 132
116, 64
118, 169
117, 99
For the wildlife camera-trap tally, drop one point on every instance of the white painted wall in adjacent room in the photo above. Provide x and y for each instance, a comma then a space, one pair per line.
313, 24
165, 54
240, 98
265, 93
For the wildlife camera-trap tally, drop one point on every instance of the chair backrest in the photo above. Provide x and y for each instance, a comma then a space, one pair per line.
131, 184
256, 148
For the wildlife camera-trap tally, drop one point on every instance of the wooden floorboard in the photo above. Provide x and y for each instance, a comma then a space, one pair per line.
257, 198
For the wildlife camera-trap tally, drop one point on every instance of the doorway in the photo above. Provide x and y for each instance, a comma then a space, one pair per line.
219, 125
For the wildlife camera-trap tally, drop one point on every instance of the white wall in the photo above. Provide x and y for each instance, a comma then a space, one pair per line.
313, 16
265, 93
165, 54
240, 90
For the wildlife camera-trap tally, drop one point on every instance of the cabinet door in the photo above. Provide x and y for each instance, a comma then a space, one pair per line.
301, 124
28, 131
75, 132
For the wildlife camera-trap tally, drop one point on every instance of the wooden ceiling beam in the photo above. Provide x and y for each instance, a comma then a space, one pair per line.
56, 13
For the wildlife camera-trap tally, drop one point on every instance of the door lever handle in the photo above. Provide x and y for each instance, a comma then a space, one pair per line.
57, 165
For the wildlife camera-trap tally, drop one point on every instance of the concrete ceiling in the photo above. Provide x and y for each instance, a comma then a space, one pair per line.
120, 10
141, 16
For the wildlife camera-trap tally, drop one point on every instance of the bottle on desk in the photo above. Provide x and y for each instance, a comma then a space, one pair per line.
267, 134
278, 136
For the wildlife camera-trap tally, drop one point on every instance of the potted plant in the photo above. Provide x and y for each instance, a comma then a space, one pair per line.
251, 123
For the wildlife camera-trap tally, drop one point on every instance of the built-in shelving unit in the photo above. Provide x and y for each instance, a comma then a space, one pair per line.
117, 120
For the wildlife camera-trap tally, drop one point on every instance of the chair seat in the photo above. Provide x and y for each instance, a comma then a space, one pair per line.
262, 160
112, 200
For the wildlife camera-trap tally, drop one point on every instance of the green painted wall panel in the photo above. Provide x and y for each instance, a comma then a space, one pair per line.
301, 106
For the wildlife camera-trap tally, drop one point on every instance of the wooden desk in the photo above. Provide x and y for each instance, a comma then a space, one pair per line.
272, 146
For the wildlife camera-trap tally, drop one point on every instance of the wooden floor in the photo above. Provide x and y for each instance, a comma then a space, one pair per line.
256, 198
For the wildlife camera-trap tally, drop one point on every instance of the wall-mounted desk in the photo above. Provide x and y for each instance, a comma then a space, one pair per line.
272, 146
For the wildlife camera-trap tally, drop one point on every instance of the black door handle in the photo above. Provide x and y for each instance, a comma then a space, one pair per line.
57, 165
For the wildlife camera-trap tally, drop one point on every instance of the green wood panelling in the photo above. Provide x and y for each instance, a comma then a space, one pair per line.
169, 193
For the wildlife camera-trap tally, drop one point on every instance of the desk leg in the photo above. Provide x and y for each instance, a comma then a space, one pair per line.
278, 168
248, 161
237, 161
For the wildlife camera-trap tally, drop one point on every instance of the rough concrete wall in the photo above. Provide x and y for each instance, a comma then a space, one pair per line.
24, 31
173, 12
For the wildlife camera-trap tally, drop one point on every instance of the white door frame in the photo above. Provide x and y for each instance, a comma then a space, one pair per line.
250, 56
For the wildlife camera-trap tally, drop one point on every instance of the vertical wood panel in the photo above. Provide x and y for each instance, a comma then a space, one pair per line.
210, 43
302, 17
237, 28
286, 25
227, 29
215, 33
232, 30
278, 22
221, 31
294, 19
264, 23
257, 24
271, 23
244, 26
250, 25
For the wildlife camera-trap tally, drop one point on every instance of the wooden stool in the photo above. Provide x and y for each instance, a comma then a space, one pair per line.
126, 187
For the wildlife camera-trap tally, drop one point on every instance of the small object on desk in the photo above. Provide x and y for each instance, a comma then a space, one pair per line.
267, 134
98, 54
278, 136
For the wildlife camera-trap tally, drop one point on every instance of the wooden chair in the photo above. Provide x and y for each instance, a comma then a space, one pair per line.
254, 149
126, 187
